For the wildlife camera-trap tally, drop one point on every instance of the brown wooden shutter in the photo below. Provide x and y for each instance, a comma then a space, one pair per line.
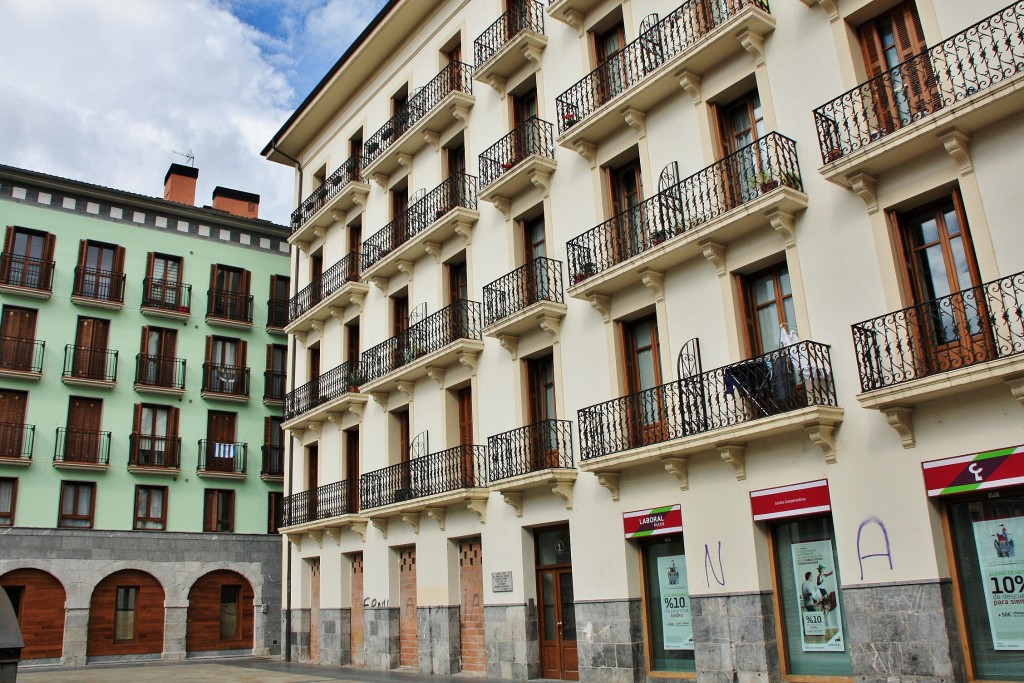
12, 407
242, 348
270, 357
747, 308
209, 510
150, 257
173, 415
209, 348
273, 288
143, 345
9, 239
82, 246
168, 343
532, 390
870, 45
907, 26
245, 282
629, 357
267, 426
137, 418
119, 259
214, 270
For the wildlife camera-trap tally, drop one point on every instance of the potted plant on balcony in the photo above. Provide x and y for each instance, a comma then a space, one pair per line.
659, 236
570, 119
763, 181
353, 379
588, 269
387, 133
372, 147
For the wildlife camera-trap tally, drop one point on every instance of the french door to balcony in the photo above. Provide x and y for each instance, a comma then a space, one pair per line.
12, 423
628, 234
82, 442
158, 345
646, 411
17, 337
90, 357
221, 453
543, 438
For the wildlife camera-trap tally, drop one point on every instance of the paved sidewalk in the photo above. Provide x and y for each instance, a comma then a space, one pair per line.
240, 670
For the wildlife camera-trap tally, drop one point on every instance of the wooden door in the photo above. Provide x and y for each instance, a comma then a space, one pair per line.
314, 610
220, 431
537, 286
159, 345
352, 469
82, 443
465, 400
316, 272
90, 355
400, 230
746, 169
628, 229
541, 392
558, 655
12, 422
524, 107
642, 365
611, 74
355, 247
399, 327
313, 478
17, 338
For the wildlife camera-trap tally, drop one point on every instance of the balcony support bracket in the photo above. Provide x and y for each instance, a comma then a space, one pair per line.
433, 139
478, 504
753, 43
552, 325
314, 427
436, 374
317, 325
434, 249
413, 520
602, 304
380, 283
380, 398
503, 205
609, 480
715, 253
783, 223
337, 313
509, 343
359, 195
958, 146
438, 515
691, 84
1016, 385
335, 419
679, 468
515, 499
333, 533
588, 151
406, 388
357, 298
901, 418
563, 489
405, 267
541, 179
637, 120
320, 233
469, 360
460, 113
532, 53
317, 536
574, 18
830, 6
654, 281
498, 84
381, 524
465, 231
736, 455
865, 185
824, 436
404, 160
381, 179
359, 528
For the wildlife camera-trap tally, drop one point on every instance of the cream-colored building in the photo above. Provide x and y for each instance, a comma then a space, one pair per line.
636, 339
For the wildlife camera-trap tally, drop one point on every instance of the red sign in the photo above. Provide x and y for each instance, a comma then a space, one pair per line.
974, 472
794, 500
653, 522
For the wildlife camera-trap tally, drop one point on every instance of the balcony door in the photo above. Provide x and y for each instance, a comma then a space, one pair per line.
221, 452
227, 371
464, 397
540, 380
156, 427
611, 73
747, 168
628, 226
17, 338
12, 423
102, 265
159, 345
352, 468
164, 289
355, 247
230, 292
536, 285
90, 354
642, 370
82, 443
26, 258
316, 272
313, 478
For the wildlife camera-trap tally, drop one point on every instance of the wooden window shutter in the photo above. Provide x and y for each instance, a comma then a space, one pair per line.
119, 259
870, 45
747, 309
9, 239
209, 510
137, 419
209, 348
49, 244
168, 343
150, 257
270, 356
629, 357
243, 347
267, 426
655, 350
214, 270
143, 344
82, 246
273, 288
906, 25
172, 421
245, 282
532, 390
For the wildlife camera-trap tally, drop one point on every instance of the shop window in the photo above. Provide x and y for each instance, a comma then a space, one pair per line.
229, 602
667, 617
151, 508
124, 613
815, 633
77, 502
8, 498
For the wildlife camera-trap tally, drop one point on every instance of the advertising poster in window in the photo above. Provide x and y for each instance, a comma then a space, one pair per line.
1002, 572
820, 618
677, 627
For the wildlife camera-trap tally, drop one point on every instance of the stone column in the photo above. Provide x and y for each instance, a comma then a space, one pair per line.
439, 648
76, 636
300, 635
381, 637
734, 638
513, 642
609, 641
175, 626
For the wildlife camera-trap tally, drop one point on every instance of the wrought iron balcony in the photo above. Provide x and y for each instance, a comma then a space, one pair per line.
691, 207
277, 314
324, 502
160, 374
224, 305
782, 381
86, 364
979, 59
81, 448
538, 281
153, 452
460, 320
273, 462
326, 388
226, 380
533, 137
334, 185
455, 192
517, 37
166, 297
26, 275
99, 287
343, 275
224, 459
457, 468
16, 442
540, 446
274, 386
21, 356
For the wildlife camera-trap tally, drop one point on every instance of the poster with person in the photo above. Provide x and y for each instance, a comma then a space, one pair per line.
1002, 575
676, 623
818, 593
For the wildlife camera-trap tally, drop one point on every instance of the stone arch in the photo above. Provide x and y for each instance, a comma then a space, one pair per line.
220, 612
126, 615
39, 599
246, 570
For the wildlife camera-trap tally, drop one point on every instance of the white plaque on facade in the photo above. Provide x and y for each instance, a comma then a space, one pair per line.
501, 582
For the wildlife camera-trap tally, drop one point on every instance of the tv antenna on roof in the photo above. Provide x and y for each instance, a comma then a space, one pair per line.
189, 156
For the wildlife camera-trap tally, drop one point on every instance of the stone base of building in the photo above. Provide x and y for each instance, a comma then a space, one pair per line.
381, 638
609, 641
734, 638
439, 648
335, 636
513, 643
299, 635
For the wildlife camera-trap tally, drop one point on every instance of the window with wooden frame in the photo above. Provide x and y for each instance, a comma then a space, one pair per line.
458, 280
100, 271
540, 391
402, 434
157, 364
400, 114
218, 510
767, 300
150, 508
464, 400
355, 248
273, 446
155, 441
13, 405
90, 355
641, 359
230, 602
229, 297
8, 500
163, 287
455, 161
352, 467
275, 511
399, 225
625, 193
524, 106
277, 303
225, 370
77, 505
748, 167
223, 454
611, 71
27, 259
352, 341
276, 372
124, 613
83, 439
18, 340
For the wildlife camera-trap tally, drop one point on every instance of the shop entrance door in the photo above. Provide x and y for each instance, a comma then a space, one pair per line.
557, 617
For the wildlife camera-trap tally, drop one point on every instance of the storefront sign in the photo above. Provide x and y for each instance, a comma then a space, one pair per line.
501, 582
676, 624
1002, 576
790, 501
653, 522
818, 592
986, 470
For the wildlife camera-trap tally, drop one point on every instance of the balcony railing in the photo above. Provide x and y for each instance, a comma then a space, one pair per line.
228, 305
976, 59
456, 468
100, 285
16, 441
26, 272
21, 355
522, 15
456, 77
348, 172
676, 32
273, 461
962, 329
788, 379
149, 450
167, 295
532, 136
331, 280
458, 190
543, 445
231, 380
460, 320
277, 313
327, 387
539, 280
741, 177
82, 447
159, 372
83, 362
274, 385
222, 457
330, 500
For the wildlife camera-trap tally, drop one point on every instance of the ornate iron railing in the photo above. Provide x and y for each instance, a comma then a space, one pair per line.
741, 177
159, 372
676, 32
84, 362
458, 190
456, 77
543, 445
532, 136
539, 280
227, 305
26, 272
82, 446
348, 172
330, 385
273, 461
102, 285
166, 295
976, 59
232, 380
460, 320
781, 381
522, 15
331, 280
962, 329
17, 440
330, 500
277, 313
223, 457
450, 470
21, 355
148, 450
274, 385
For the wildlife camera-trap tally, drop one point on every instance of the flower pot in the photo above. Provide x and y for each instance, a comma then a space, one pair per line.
353, 389
769, 185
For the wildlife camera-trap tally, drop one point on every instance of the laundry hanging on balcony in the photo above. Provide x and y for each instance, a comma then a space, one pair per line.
224, 450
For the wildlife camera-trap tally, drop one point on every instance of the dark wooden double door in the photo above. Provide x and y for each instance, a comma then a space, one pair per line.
17, 339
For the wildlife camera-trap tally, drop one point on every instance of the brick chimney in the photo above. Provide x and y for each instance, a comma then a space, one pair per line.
244, 204
180, 184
